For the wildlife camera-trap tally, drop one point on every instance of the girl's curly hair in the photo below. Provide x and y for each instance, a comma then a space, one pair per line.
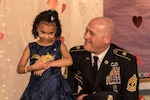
48, 16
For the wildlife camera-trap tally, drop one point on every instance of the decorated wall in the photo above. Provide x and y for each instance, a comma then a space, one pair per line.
132, 19
16, 19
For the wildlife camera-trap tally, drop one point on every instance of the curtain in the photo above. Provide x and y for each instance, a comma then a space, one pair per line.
16, 19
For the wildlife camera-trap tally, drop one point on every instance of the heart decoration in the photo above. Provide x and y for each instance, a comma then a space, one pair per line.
1, 36
138, 59
52, 4
63, 7
137, 21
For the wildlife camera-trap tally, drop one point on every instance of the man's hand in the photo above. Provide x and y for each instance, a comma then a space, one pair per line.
81, 96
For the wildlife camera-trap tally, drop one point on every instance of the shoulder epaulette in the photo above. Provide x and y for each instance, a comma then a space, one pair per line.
123, 53
77, 48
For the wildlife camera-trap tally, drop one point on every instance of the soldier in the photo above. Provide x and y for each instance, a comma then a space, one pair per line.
116, 75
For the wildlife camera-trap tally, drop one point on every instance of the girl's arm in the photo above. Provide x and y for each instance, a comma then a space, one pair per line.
23, 61
66, 58
22, 65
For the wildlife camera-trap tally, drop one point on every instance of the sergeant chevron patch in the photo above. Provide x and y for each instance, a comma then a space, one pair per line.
132, 83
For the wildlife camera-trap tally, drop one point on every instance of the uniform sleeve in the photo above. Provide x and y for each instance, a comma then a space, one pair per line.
71, 77
74, 72
130, 81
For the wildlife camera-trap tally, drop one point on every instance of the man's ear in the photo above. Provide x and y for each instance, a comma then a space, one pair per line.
108, 38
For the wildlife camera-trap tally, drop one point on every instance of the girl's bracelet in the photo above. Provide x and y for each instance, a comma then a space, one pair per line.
25, 69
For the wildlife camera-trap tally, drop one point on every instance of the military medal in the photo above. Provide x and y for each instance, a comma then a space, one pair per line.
114, 74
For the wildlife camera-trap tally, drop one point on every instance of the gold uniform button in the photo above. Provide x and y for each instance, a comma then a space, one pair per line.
94, 92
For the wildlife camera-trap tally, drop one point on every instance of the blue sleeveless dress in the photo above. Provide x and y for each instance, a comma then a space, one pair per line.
51, 85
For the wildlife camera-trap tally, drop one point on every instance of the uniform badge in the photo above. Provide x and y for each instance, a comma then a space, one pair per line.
106, 62
94, 92
87, 58
79, 73
115, 88
132, 83
121, 53
114, 75
124, 53
78, 77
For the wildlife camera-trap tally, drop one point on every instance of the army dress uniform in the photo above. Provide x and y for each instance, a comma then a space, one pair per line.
117, 77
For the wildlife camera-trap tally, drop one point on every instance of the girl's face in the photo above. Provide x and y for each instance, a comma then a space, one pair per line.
46, 33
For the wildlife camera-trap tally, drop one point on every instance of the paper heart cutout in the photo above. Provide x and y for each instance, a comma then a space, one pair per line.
63, 8
52, 4
137, 21
1, 36
138, 59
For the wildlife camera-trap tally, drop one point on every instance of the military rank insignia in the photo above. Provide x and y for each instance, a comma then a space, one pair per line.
114, 75
132, 83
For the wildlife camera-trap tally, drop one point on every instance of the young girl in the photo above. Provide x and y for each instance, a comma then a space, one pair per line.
47, 56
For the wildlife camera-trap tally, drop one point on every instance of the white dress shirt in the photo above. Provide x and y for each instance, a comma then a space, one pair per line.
100, 57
